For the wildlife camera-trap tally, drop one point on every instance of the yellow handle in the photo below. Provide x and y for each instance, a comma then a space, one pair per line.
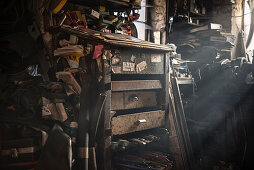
59, 6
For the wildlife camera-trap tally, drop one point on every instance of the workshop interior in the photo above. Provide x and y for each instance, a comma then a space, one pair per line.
126, 85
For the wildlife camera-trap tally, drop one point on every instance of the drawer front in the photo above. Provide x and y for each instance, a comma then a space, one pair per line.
128, 62
137, 122
131, 85
132, 100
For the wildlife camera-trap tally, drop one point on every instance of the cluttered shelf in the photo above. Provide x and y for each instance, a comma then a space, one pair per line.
113, 39
119, 5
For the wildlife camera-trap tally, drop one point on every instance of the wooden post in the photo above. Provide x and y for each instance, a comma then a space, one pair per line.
158, 21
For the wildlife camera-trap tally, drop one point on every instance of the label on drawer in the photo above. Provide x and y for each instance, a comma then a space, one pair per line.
116, 60
133, 58
127, 66
116, 69
156, 58
141, 66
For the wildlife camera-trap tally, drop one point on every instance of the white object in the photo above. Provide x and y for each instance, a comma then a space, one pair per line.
216, 26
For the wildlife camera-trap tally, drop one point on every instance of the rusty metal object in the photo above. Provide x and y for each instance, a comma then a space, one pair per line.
136, 85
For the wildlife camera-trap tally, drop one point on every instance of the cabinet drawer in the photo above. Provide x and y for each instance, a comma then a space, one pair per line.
132, 85
132, 100
136, 122
128, 62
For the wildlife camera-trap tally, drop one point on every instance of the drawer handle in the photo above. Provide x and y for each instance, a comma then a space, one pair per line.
142, 121
133, 98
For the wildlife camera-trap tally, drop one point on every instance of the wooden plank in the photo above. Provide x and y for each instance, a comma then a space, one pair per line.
69, 79
136, 85
137, 122
175, 138
137, 44
183, 128
125, 0
185, 80
104, 142
121, 2
131, 100
113, 39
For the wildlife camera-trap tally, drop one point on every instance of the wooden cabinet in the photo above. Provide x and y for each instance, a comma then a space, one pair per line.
138, 98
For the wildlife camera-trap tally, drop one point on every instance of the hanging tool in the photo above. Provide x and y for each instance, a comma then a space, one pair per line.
56, 5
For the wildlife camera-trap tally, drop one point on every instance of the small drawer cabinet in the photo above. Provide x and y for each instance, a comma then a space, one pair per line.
137, 99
